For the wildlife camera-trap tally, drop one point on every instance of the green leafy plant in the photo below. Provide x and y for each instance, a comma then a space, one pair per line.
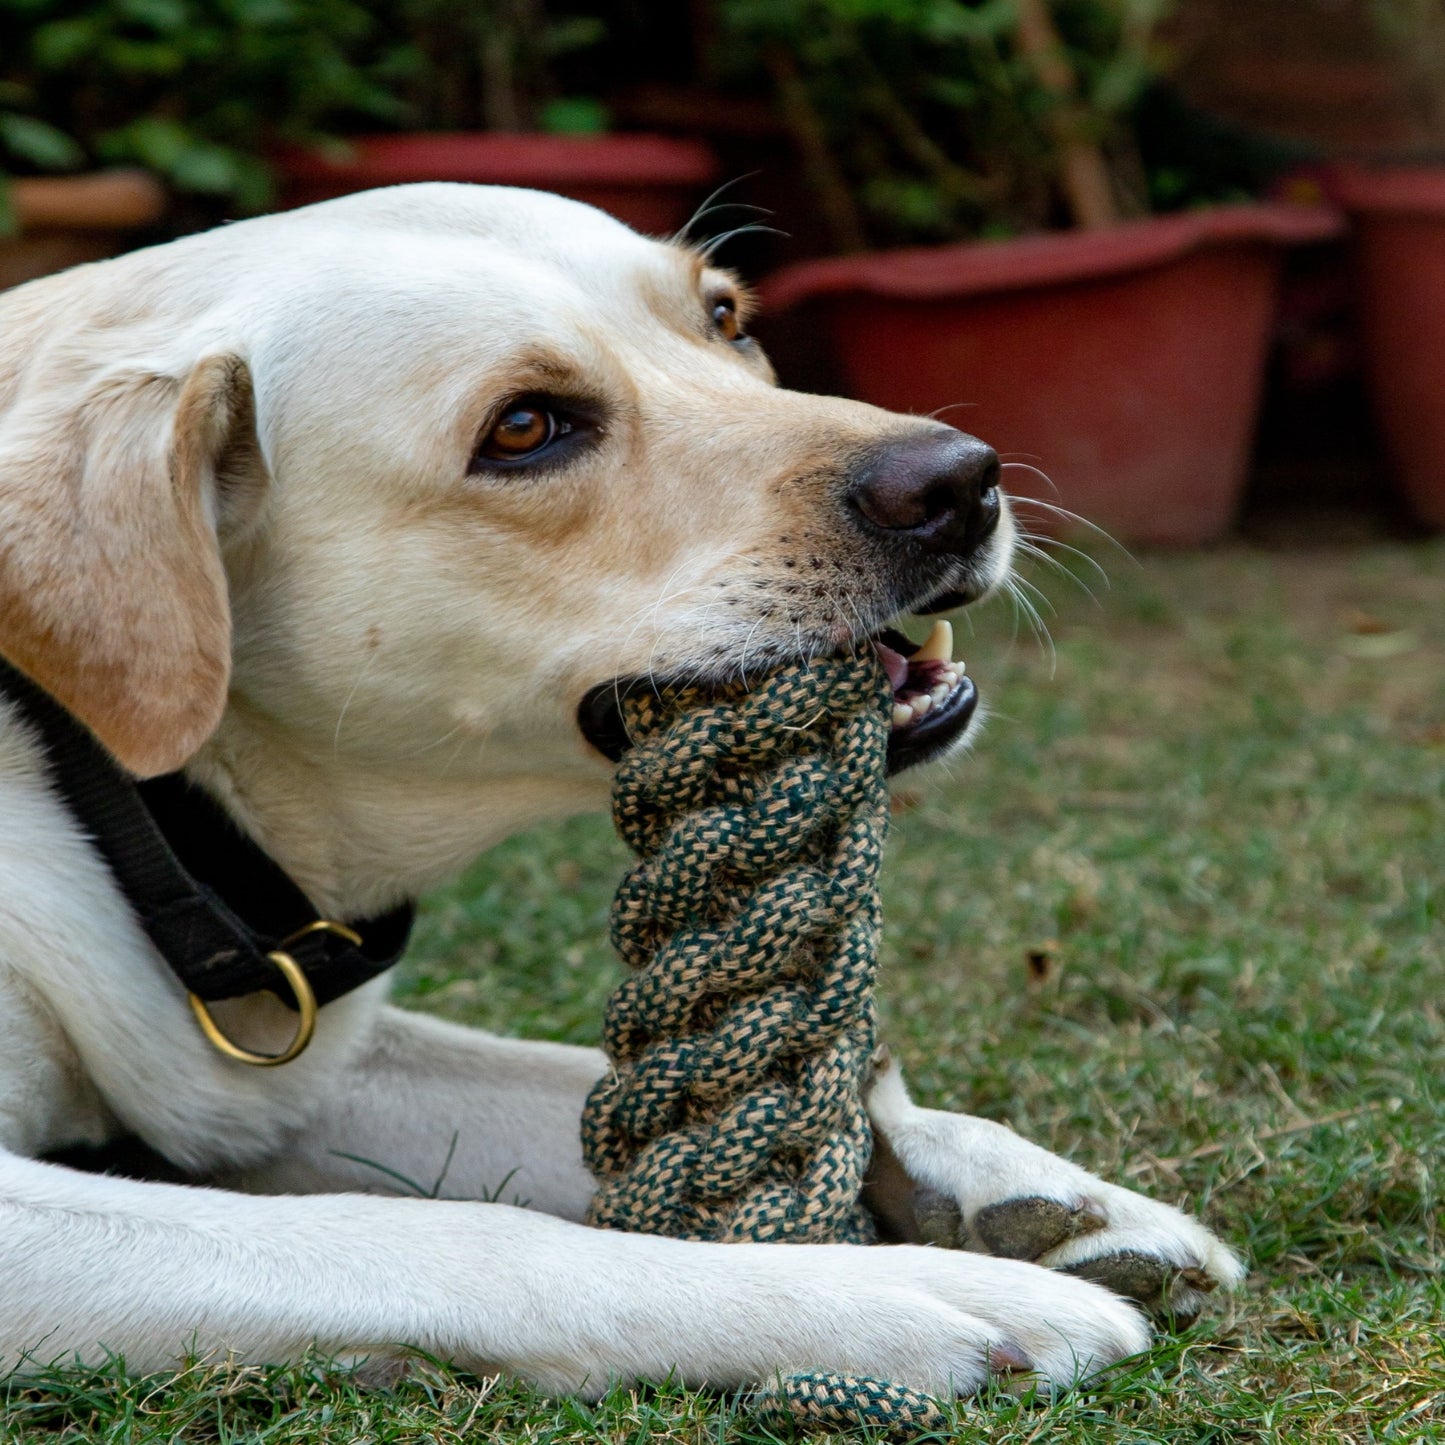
200, 91
958, 117
1416, 30
492, 65
194, 90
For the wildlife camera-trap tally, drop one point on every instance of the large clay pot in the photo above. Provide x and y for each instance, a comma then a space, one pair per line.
64, 220
1399, 224
1126, 364
651, 182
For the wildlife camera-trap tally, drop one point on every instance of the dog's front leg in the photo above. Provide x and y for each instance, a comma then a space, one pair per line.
454, 1111
92, 1266
968, 1183
472, 1116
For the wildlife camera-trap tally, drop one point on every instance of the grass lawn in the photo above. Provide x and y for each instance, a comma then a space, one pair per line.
1179, 916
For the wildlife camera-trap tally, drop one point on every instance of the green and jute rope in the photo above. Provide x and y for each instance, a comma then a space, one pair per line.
743, 1038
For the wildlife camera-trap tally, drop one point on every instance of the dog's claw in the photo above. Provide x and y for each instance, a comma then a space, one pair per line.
1030, 1227
940, 1220
1199, 1279
1171, 1295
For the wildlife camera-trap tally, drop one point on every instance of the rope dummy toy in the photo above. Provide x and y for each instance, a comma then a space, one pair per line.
743, 1039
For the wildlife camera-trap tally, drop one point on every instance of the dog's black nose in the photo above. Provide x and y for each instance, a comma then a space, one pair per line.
939, 489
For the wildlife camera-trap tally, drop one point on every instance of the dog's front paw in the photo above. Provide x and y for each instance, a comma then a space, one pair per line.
966, 1183
740, 1315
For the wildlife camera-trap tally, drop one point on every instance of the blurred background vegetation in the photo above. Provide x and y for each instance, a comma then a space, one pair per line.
914, 119
934, 112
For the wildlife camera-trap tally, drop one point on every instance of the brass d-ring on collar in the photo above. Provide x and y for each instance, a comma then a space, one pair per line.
301, 992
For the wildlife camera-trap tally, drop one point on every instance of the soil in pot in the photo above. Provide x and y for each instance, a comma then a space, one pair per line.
1126, 365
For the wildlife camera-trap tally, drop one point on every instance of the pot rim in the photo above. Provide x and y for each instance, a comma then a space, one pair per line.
532, 157
1409, 190
1050, 259
106, 200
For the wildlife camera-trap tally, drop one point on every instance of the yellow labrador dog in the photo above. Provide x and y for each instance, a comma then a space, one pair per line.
346, 513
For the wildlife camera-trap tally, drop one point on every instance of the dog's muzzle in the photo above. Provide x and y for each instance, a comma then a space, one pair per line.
933, 700
927, 502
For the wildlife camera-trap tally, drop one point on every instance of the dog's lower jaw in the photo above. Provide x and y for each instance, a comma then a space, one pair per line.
358, 837
964, 742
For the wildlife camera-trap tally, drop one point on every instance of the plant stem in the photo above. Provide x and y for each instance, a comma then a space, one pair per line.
839, 211
916, 143
499, 82
1083, 173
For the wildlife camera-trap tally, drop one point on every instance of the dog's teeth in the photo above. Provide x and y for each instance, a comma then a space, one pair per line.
921, 705
939, 646
942, 691
902, 714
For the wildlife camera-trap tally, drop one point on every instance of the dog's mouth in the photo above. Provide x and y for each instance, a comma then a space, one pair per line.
933, 700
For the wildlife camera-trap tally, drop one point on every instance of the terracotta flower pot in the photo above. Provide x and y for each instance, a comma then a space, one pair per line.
651, 182
1399, 221
1126, 364
64, 220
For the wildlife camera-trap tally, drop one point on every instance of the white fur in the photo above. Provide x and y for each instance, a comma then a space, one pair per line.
976, 1163
410, 643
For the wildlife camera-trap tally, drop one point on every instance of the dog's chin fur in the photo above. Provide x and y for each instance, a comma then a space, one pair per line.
244, 530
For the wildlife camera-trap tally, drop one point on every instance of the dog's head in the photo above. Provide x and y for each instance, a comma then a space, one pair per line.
419, 478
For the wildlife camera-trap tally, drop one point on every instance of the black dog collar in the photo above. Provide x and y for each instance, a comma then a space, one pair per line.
223, 914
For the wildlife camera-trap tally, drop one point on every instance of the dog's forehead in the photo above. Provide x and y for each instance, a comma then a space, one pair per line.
512, 215
476, 232
419, 265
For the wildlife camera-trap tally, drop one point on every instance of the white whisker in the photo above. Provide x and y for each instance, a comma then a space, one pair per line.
709, 248
1043, 597
743, 656
1068, 516
1039, 472
450, 733
1029, 547
340, 716
707, 208
1014, 587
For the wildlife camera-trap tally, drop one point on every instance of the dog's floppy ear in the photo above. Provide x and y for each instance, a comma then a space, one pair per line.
112, 593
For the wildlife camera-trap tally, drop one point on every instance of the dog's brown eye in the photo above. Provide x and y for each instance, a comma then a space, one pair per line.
725, 318
519, 431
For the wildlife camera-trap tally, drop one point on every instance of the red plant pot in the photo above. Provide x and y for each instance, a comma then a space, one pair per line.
650, 182
64, 221
1127, 364
1399, 219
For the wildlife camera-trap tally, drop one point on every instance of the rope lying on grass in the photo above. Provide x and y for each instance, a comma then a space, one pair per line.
743, 1039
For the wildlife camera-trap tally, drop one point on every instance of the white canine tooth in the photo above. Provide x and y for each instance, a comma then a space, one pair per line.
921, 705
902, 714
941, 691
939, 646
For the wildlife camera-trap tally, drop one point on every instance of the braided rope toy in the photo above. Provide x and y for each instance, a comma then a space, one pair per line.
744, 1036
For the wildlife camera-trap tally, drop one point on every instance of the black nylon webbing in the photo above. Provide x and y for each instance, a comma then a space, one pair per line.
213, 903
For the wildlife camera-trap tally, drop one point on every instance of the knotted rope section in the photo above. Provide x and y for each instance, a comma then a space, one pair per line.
743, 1038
